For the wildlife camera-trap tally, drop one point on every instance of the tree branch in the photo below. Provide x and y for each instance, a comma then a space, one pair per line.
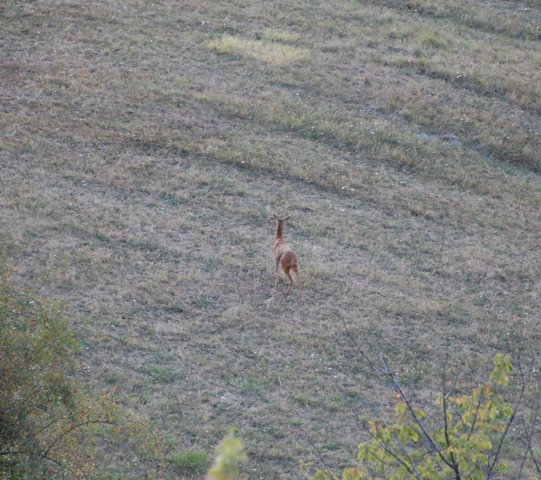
416, 419
445, 419
365, 427
46, 451
511, 419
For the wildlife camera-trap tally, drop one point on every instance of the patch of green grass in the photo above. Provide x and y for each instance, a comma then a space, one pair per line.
252, 385
277, 432
190, 461
336, 403
270, 51
113, 377
163, 374
332, 446
433, 39
204, 300
280, 36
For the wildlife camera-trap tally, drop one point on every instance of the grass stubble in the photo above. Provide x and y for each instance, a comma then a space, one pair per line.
145, 146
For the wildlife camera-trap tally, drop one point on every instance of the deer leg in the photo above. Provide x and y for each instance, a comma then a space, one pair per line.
290, 280
297, 273
276, 274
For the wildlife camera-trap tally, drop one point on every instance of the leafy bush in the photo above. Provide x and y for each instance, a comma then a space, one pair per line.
49, 426
468, 444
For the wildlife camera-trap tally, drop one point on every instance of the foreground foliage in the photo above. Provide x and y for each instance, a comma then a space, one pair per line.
468, 443
49, 426
229, 453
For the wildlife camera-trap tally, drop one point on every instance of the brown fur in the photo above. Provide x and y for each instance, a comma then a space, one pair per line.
285, 256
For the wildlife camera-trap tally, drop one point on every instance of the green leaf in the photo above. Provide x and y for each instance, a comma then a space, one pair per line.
353, 474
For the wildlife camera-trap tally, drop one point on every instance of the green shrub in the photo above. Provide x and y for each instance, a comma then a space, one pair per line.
50, 427
468, 443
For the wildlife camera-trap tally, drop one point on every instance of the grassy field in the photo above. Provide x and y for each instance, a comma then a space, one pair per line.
146, 144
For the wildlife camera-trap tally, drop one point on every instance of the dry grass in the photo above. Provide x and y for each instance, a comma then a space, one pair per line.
145, 146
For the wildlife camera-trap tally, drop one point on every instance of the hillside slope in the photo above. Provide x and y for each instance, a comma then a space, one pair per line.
145, 147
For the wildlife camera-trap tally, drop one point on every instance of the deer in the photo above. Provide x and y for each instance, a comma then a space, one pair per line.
285, 256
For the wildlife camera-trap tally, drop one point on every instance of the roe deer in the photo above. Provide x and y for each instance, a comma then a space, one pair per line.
285, 256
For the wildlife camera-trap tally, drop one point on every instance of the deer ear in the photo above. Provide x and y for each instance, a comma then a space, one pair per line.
275, 216
289, 216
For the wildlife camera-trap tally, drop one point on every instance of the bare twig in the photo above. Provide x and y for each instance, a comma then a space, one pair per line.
445, 417
453, 385
533, 423
353, 338
366, 428
315, 447
415, 417
77, 426
481, 398
388, 373
529, 450
511, 419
